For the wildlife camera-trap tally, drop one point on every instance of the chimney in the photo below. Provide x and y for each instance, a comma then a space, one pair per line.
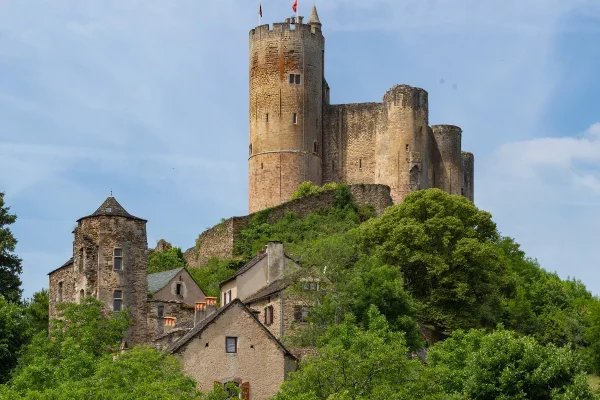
275, 261
169, 323
211, 305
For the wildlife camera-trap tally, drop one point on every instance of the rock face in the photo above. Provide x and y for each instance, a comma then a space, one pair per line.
162, 245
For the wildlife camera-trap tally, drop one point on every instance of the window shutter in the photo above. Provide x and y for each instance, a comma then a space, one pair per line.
246, 390
266, 320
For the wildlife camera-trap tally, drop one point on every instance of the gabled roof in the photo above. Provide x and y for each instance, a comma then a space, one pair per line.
268, 290
246, 267
213, 317
111, 208
159, 280
70, 262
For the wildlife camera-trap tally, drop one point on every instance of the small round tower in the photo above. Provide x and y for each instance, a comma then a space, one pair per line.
447, 159
286, 110
110, 261
401, 150
468, 163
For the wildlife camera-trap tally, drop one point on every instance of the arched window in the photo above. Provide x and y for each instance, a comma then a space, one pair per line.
81, 295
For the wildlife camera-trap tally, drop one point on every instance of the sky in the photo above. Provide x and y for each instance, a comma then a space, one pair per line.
149, 99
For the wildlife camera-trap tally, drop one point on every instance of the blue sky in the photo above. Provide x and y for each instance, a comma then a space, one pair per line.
150, 99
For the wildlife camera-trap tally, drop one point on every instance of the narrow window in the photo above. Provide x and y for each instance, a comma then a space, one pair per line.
250, 148
406, 147
60, 292
462, 191
291, 78
179, 289
227, 297
81, 295
118, 259
267, 117
297, 79
160, 312
117, 300
81, 261
315, 147
261, 166
360, 163
332, 165
300, 313
295, 118
231, 344
268, 315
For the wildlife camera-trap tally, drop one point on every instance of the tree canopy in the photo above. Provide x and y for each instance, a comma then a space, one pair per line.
10, 264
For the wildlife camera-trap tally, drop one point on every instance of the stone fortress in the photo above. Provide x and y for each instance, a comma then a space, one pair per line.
297, 135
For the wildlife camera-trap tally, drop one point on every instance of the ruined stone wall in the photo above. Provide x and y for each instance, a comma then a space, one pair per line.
349, 135
99, 236
219, 241
285, 113
468, 175
64, 275
446, 151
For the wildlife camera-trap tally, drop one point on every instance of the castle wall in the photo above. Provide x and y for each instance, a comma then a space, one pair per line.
99, 236
445, 149
468, 162
219, 241
349, 134
285, 116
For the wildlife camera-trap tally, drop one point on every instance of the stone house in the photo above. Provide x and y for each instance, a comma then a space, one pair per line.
232, 345
173, 294
266, 284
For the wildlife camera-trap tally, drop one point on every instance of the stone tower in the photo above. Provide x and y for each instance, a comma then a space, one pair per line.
446, 159
286, 109
109, 263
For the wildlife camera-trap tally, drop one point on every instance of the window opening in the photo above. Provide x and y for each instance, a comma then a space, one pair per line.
315, 147
406, 147
160, 311
291, 78
268, 315
301, 313
227, 297
231, 344
60, 292
297, 79
118, 259
81, 261
108, 209
295, 118
178, 289
250, 148
360, 163
267, 117
81, 295
117, 300
261, 166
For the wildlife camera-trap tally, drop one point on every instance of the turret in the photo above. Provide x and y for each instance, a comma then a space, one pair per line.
401, 150
286, 109
110, 260
468, 163
446, 158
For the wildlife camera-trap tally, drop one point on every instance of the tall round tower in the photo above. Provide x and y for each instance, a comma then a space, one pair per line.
401, 149
447, 163
286, 109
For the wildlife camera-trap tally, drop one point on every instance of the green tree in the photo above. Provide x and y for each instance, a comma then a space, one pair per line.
36, 310
355, 363
215, 272
504, 365
14, 333
445, 248
10, 264
164, 260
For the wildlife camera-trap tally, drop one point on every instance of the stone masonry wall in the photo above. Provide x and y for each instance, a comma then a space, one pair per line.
64, 275
219, 240
184, 313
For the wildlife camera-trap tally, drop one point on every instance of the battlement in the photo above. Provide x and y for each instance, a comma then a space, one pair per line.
407, 96
448, 130
278, 29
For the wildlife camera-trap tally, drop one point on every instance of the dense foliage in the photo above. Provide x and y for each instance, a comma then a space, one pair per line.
164, 260
10, 264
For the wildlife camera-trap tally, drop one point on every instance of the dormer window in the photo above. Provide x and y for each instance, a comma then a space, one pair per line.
108, 209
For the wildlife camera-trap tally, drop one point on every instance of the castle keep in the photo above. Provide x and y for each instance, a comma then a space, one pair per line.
296, 135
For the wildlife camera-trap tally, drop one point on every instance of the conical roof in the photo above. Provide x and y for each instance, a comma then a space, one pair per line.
111, 208
314, 17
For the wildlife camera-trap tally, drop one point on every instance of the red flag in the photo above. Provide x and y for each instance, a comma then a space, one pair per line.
295, 6
259, 9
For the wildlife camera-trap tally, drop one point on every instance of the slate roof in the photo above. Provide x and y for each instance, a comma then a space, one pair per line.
268, 290
70, 262
207, 321
111, 208
159, 280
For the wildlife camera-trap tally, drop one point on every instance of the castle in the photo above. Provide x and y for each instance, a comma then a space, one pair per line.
296, 135
382, 150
